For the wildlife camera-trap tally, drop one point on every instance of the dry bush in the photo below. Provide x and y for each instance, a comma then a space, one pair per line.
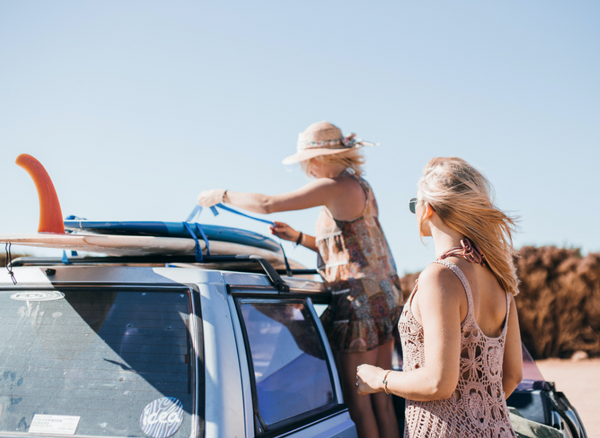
558, 303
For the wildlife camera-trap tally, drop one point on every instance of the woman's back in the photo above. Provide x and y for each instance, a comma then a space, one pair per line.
489, 299
477, 406
356, 262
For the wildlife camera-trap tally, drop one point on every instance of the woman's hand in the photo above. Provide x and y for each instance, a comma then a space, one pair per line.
369, 379
209, 198
284, 231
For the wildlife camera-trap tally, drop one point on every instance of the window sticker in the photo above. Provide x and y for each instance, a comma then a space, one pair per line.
57, 424
38, 296
162, 418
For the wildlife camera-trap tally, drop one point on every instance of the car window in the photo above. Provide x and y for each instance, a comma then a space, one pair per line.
320, 308
291, 373
96, 362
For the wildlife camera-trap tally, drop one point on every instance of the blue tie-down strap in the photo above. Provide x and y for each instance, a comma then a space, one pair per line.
231, 210
195, 212
197, 249
65, 259
224, 207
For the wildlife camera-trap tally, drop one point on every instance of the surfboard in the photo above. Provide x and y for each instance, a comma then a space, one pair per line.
150, 238
118, 245
214, 233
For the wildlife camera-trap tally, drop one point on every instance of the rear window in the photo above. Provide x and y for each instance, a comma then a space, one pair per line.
96, 362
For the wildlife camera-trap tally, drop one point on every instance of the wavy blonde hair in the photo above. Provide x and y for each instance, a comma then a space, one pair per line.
463, 198
352, 158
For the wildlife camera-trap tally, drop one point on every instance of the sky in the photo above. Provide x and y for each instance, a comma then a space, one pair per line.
135, 107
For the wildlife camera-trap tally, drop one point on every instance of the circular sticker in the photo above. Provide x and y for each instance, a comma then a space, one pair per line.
162, 418
38, 296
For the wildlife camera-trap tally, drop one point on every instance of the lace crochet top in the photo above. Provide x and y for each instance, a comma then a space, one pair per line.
478, 407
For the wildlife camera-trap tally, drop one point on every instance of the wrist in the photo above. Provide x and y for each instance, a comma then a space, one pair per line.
223, 196
384, 381
380, 379
299, 239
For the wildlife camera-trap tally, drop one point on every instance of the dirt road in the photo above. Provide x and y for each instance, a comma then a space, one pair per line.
580, 381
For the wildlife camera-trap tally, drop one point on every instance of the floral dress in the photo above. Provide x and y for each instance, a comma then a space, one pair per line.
355, 261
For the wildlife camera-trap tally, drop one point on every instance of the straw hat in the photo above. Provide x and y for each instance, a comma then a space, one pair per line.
323, 138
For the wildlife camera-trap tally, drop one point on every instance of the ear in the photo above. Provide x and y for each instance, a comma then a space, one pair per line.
428, 211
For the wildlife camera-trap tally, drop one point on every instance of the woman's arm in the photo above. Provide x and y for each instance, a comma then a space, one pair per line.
285, 232
438, 302
512, 366
344, 197
318, 192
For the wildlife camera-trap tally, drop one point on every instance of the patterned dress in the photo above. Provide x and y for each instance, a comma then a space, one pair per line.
478, 407
355, 261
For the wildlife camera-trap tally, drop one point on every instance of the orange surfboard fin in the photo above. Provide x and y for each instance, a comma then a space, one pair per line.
51, 218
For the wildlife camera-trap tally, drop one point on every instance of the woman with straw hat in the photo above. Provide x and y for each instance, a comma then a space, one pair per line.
355, 261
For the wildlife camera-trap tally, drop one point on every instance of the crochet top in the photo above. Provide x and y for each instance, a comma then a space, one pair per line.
477, 408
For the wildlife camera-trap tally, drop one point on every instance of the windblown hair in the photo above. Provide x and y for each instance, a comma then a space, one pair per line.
463, 198
352, 158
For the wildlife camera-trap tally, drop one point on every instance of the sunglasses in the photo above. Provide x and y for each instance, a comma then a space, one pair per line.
412, 205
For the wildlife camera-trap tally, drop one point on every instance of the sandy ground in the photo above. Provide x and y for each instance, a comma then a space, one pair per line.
580, 381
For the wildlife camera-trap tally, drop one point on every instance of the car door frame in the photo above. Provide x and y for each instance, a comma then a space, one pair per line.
302, 422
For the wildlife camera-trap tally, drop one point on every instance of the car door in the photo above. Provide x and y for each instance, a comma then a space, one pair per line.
291, 385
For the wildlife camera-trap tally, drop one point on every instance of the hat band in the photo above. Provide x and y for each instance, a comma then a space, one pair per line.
348, 142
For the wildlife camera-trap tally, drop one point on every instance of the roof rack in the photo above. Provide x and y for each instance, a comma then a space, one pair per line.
270, 271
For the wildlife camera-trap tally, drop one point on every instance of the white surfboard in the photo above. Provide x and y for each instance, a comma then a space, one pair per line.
116, 245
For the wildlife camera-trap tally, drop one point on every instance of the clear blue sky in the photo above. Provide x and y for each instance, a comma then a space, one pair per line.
134, 107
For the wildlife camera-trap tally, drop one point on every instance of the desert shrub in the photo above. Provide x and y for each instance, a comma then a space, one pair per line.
558, 303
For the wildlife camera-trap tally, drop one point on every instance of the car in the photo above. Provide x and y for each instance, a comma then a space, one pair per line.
97, 349
166, 346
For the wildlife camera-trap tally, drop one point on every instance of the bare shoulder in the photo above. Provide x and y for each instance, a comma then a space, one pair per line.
348, 183
439, 282
324, 188
322, 182
338, 184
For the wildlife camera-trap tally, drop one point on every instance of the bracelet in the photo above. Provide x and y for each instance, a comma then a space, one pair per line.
385, 382
299, 239
223, 197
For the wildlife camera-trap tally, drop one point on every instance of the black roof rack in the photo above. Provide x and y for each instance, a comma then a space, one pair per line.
270, 271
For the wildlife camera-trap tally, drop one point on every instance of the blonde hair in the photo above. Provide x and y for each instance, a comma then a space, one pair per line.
463, 198
351, 158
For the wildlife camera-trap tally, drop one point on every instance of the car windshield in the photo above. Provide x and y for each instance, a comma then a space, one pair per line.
96, 362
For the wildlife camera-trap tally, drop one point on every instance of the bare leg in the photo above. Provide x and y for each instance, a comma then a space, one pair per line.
382, 403
373, 415
360, 407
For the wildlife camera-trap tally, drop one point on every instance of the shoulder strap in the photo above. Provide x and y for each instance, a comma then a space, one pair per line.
457, 271
463, 279
507, 313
